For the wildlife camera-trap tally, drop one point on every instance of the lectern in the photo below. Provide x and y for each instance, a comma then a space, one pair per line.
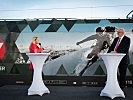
37, 86
112, 88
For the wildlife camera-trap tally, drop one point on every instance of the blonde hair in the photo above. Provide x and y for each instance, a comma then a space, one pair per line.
34, 39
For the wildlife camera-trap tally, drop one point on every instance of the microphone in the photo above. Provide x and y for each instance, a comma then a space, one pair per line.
40, 45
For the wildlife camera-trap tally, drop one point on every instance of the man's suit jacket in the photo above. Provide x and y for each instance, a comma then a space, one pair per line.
122, 48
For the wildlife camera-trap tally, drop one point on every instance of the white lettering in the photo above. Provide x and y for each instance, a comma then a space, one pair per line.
2, 68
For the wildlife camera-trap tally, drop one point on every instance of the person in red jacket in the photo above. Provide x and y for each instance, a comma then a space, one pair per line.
35, 47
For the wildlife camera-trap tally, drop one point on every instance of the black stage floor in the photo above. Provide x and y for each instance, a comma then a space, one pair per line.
19, 92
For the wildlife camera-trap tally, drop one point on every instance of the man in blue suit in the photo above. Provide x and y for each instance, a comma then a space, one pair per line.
121, 44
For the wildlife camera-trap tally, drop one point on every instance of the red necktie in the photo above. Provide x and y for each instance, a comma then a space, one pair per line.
118, 42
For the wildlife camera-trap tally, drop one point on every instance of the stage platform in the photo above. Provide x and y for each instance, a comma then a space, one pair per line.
19, 92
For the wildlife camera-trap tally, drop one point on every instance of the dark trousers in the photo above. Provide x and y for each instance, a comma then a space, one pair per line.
122, 70
90, 62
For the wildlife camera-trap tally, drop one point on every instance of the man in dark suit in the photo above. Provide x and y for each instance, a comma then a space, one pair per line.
121, 44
